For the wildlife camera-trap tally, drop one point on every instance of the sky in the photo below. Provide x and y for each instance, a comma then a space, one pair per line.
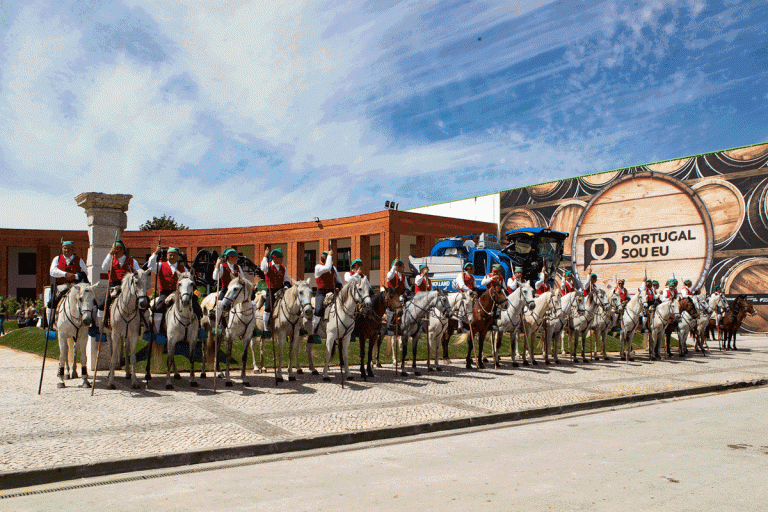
241, 113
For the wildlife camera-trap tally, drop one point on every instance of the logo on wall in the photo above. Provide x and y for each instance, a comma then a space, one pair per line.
598, 249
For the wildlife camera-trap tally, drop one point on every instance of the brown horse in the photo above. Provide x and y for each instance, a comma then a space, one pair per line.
732, 319
482, 320
368, 327
686, 305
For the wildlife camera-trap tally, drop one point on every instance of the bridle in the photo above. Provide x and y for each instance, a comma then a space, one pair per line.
123, 301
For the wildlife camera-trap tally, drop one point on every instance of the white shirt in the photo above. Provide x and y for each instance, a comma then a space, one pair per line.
265, 268
321, 269
57, 272
460, 284
392, 272
107, 265
348, 276
419, 279
154, 265
685, 292
487, 279
232, 270
512, 283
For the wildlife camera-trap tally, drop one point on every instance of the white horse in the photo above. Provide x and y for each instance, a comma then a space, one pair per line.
74, 316
557, 319
534, 322
181, 324
292, 310
460, 303
259, 302
125, 324
510, 319
354, 295
631, 320
241, 320
608, 304
415, 313
659, 323
579, 321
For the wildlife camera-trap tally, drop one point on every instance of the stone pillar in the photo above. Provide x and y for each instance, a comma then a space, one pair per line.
106, 216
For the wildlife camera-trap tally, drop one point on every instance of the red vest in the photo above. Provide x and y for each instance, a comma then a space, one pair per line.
325, 281
588, 288
469, 281
276, 276
623, 293
167, 278
398, 283
520, 283
73, 267
494, 281
650, 296
670, 293
567, 287
543, 288
425, 285
227, 275
118, 271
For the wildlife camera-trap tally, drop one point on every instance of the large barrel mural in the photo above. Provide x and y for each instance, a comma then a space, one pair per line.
703, 218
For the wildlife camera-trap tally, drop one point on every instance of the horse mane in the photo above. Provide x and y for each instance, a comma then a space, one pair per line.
346, 291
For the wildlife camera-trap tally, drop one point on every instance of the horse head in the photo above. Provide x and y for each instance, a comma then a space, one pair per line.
235, 291
303, 297
497, 296
442, 304
391, 299
185, 289
688, 306
363, 293
528, 296
86, 298
674, 310
137, 282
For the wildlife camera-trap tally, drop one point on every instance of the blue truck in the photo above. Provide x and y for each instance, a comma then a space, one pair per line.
535, 250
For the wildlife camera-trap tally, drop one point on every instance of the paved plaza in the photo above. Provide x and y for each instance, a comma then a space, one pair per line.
66, 427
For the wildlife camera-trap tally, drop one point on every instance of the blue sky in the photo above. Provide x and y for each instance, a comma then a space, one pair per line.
245, 113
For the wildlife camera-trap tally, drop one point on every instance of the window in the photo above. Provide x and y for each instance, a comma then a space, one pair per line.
480, 263
375, 257
26, 293
310, 260
343, 257
27, 264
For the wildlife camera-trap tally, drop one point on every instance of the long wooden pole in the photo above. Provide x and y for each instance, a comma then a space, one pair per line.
101, 327
216, 334
49, 321
147, 374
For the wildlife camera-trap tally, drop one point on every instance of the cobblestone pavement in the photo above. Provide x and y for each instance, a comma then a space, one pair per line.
67, 426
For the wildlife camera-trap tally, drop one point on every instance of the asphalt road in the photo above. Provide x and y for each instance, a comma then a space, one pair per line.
707, 453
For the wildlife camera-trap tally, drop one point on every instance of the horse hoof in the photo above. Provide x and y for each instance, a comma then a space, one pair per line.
111, 386
291, 378
525, 363
315, 372
515, 365
430, 369
546, 363
349, 377
135, 386
148, 377
279, 379
228, 384
193, 384
485, 359
535, 362
176, 377
169, 386
299, 371
73, 375
246, 384
378, 365
370, 373
127, 375
438, 369
606, 358
202, 375
403, 374
85, 384
417, 374
61, 385
327, 379
481, 366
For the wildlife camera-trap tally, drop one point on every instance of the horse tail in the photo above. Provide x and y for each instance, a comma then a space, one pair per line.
463, 338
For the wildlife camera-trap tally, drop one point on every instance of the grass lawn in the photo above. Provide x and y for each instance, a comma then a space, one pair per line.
32, 339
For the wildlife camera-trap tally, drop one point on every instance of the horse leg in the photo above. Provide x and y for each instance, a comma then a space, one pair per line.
293, 345
80, 346
513, 348
113, 360
171, 345
444, 342
363, 374
480, 341
344, 349
132, 347
247, 344
62, 359
372, 339
192, 347
494, 339
329, 342
71, 359
415, 343
470, 344
404, 341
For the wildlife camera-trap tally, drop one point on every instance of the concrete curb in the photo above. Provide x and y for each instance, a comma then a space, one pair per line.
18, 479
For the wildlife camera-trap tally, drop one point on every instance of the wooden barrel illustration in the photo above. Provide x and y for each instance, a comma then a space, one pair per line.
749, 153
757, 213
545, 191
668, 167
512, 197
565, 218
644, 223
599, 179
522, 218
748, 277
725, 206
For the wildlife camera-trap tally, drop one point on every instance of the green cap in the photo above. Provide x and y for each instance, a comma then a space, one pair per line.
324, 254
396, 262
655, 282
67, 243
593, 275
568, 273
276, 253
228, 252
467, 265
674, 282
120, 243
687, 281
518, 269
356, 261
717, 287
173, 249
496, 266
422, 266
649, 281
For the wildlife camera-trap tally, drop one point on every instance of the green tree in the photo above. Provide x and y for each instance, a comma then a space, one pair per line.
164, 222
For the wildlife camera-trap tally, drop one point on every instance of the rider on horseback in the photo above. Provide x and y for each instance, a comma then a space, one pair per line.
68, 269
355, 271
397, 281
327, 279
277, 278
423, 284
117, 263
686, 290
514, 281
168, 273
670, 292
591, 286
568, 286
542, 286
496, 277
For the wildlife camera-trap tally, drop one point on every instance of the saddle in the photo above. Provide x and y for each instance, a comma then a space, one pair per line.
328, 300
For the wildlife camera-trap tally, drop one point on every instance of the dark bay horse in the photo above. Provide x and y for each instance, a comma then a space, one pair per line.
483, 315
368, 327
732, 319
